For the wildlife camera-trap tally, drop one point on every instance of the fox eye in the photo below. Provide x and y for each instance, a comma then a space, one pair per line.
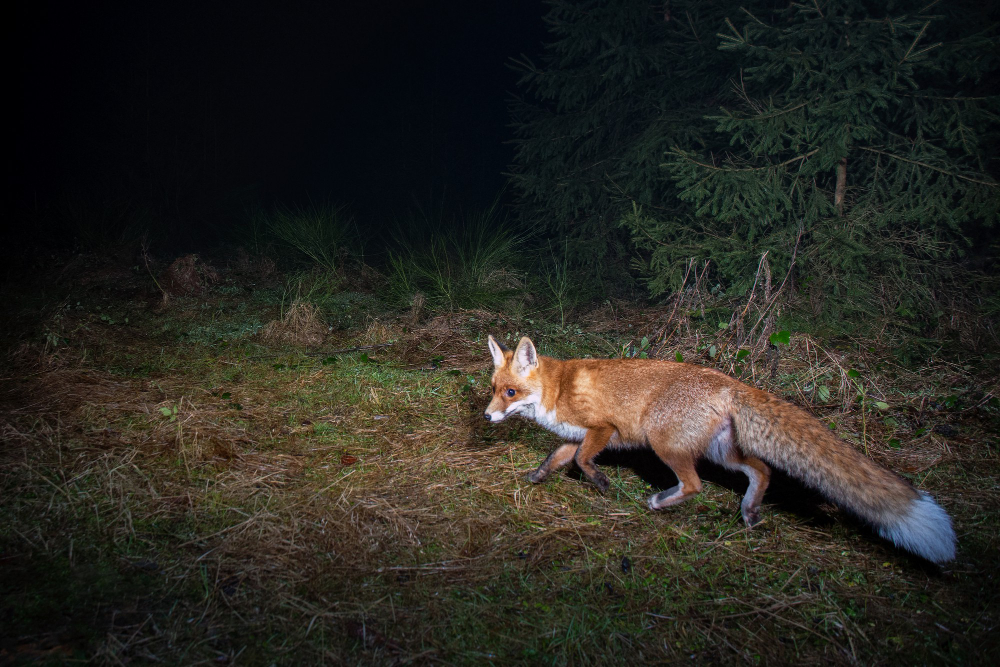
511, 392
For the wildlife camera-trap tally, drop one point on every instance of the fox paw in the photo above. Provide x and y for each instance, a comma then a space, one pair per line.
751, 516
537, 476
601, 481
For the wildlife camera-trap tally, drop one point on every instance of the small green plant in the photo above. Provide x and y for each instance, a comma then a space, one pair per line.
862, 393
170, 413
741, 354
780, 338
469, 384
107, 319
640, 351
53, 340
855, 378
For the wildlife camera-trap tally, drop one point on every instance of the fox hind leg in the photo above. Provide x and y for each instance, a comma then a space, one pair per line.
688, 482
723, 450
759, 475
559, 457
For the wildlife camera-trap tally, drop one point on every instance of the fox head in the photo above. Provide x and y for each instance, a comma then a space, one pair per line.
516, 385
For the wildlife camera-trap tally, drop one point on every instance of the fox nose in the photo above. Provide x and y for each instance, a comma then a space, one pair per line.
487, 416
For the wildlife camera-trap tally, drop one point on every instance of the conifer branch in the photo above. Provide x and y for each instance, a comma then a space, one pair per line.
930, 166
739, 169
917, 39
736, 32
741, 91
940, 98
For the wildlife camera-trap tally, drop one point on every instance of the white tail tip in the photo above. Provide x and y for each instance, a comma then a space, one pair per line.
925, 530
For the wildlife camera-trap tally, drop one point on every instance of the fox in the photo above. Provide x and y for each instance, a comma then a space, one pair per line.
684, 413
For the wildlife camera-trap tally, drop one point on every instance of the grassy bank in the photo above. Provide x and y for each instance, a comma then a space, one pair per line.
192, 481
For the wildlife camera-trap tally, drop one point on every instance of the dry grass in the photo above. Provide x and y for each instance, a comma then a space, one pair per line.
254, 267
302, 324
188, 275
244, 502
443, 341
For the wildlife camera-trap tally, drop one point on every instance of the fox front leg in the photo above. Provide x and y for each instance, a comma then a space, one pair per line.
559, 458
593, 442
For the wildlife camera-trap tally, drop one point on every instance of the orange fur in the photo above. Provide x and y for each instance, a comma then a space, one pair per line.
686, 412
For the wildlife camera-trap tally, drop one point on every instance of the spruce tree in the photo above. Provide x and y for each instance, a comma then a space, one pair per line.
620, 84
857, 136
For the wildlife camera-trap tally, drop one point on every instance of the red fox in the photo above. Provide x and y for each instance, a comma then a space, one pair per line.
685, 412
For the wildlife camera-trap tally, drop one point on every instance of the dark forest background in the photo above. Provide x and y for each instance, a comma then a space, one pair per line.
613, 146
189, 106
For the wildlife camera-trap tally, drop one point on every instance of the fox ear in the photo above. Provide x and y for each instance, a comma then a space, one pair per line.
496, 351
525, 357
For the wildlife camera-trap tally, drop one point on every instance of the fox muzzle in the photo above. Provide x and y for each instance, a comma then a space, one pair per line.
494, 417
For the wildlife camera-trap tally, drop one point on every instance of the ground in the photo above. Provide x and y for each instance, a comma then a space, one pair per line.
186, 481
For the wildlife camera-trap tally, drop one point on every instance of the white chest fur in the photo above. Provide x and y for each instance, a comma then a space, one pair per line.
548, 419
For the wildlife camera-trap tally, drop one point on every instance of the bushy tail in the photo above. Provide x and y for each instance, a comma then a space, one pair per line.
790, 439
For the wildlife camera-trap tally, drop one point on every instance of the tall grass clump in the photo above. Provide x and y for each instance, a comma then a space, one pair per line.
468, 261
323, 233
563, 291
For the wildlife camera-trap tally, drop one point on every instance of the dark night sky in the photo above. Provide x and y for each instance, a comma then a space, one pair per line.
192, 103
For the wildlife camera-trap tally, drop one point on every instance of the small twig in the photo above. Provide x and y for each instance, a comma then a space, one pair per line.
145, 259
914, 43
774, 298
764, 168
662, 336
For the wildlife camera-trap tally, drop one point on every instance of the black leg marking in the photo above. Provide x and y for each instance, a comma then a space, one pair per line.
559, 457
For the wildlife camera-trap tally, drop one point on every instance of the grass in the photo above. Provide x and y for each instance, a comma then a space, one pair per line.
178, 487
452, 263
323, 233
